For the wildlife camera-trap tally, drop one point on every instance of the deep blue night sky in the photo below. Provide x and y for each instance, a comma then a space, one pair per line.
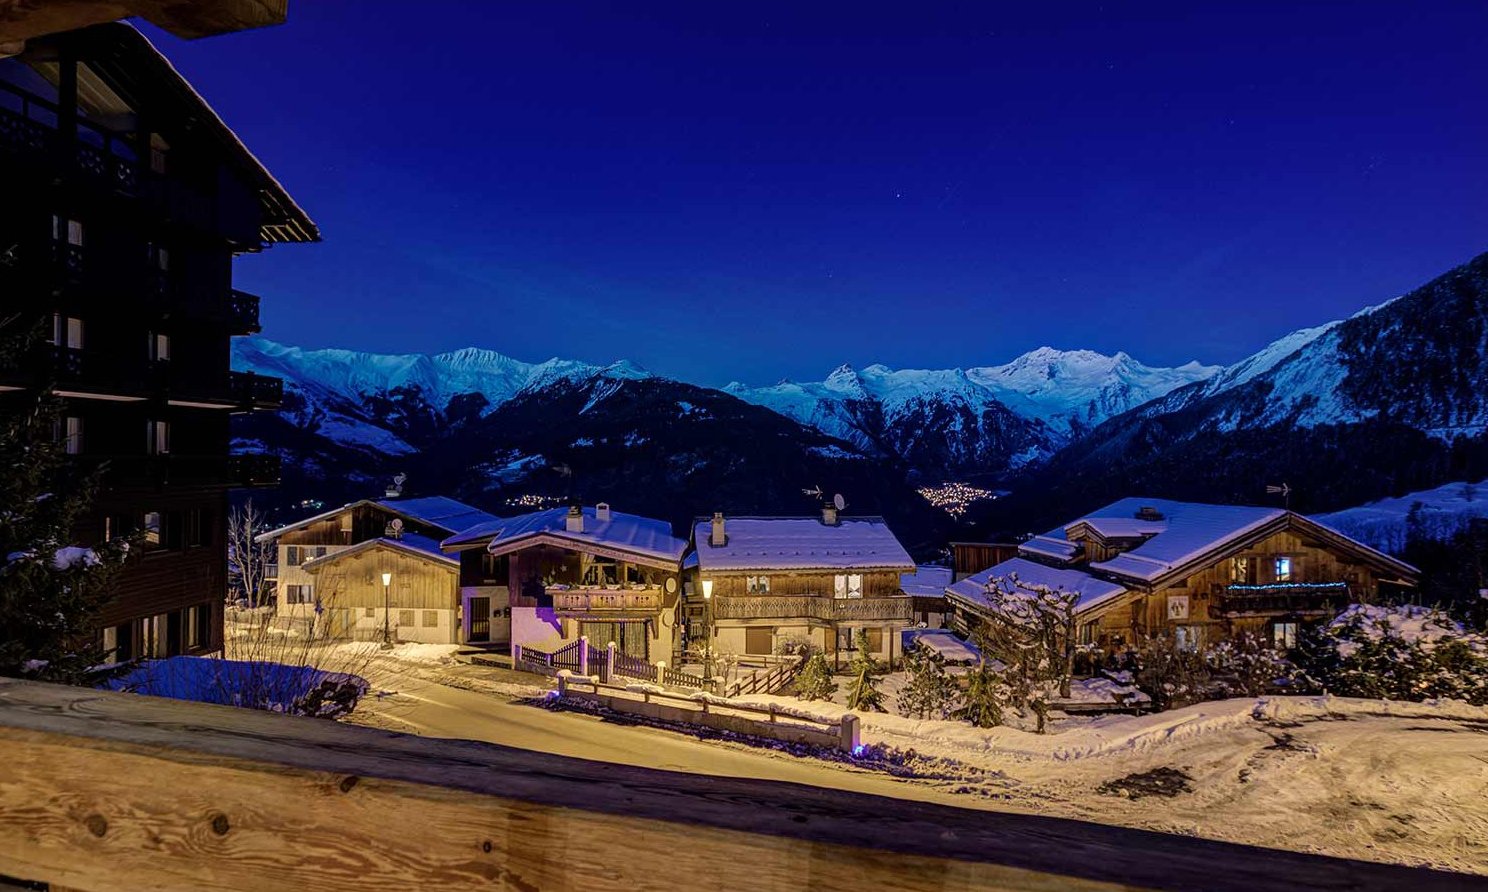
751, 191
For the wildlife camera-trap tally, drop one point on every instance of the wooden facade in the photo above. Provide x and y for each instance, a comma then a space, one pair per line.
970, 558
126, 202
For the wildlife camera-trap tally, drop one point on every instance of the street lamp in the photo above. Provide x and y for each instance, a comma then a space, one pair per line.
387, 607
707, 628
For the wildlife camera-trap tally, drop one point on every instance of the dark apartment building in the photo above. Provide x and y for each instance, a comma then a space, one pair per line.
126, 199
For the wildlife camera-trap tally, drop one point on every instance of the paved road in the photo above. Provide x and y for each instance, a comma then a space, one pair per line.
437, 710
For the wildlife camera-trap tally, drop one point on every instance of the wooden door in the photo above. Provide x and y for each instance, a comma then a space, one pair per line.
480, 619
759, 640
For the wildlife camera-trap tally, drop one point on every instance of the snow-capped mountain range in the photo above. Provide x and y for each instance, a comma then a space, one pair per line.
992, 417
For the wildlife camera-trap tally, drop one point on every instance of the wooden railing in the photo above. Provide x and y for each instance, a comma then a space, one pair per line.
102, 791
764, 681
605, 599
812, 607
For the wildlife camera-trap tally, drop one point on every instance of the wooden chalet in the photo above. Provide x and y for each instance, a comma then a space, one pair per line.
567, 573
375, 566
126, 200
1199, 573
758, 582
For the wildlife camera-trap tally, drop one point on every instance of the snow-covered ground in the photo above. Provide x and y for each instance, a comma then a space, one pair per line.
1383, 524
1398, 782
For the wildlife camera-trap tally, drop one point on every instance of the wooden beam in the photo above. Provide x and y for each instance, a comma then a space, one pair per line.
103, 791
24, 19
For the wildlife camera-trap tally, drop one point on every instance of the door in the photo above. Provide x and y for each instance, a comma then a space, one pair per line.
759, 640
480, 619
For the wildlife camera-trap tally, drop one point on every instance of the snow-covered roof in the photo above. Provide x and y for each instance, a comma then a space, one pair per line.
630, 533
1186, 531
926, 581
439, 511
801, 543
1092, 591
419, 546
944, 642
1059, 549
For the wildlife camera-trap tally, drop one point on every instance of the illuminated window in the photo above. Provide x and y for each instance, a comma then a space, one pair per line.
1283, 569
848, 585
758, 585
1284, 635
1241, 570
157, 437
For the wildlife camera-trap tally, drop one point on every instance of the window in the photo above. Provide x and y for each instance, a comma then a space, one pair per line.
162, 259
152, 637
759, 640
848, 585
1241, 571
159, 346
489, 565
299, 594
154, 521
196, 528
71, 429
1283, 569
758, 585
66, 229
405, 618
194, 626
67, 331
111, 644
431, 619
1188, 637
1284, 635
157, 437
369, 612
292, 555
845, 638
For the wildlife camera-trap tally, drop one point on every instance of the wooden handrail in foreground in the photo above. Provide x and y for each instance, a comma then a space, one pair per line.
102, 791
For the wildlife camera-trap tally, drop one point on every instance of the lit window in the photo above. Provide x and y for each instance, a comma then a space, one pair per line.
1284, 635
67, 331
157, 437
72, 435
758, 585
1240, 570
1283, 569
848, 585
152, 529
160, 346
71, 230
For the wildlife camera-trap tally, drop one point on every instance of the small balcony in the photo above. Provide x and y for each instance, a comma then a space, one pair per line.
252, 391
816, 607
1284, 598
569, 600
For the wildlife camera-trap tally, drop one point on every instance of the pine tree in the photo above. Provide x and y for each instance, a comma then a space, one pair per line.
864, 695
50, 589
929, 693
815, 681
985, 693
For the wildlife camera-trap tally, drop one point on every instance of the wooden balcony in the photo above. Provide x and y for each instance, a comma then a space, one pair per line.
101, 791
817, 607
603, 600
1286, 598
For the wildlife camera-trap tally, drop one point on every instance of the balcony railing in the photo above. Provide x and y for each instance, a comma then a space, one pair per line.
1284, 597
812, 607
246, 470
256, 391
595, 600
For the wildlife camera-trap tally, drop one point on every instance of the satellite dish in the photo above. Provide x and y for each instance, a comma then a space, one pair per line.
397, 524
839, 501
400, 479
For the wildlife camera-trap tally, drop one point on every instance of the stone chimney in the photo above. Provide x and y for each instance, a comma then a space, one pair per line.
719, 537
602, 512
574, 522
829, 514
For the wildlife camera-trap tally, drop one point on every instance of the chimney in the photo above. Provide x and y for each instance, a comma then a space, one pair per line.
574, 522
829, 514
718, 539
1147, 512
602, 512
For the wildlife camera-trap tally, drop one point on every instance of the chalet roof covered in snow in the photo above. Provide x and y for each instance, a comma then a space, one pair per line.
438, 511
801, 543
1092, 591
629, 533
1058, 549
926, 581
951, 647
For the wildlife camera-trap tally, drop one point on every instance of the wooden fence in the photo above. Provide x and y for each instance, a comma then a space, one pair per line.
765, 681
103, 791
741, 718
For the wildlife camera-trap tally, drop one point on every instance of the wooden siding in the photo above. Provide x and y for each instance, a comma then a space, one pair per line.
356, 581
876, 584
971, 558
357, 524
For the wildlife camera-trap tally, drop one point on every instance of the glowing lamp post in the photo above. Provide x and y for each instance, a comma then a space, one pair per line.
708, 628
387, 606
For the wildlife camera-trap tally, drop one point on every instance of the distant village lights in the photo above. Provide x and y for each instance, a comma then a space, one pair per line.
955, 498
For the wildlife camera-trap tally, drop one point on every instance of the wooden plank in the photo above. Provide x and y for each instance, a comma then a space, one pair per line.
112, 791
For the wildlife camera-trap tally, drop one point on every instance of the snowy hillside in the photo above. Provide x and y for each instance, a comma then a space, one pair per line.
1439, 513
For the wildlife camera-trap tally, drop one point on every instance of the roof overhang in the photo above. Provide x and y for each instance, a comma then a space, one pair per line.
321, 563
573, 543
189, 19
350, 506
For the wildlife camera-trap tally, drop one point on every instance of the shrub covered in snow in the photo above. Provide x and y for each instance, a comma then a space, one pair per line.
864, 694
1247, 666
1170, 674
930, 692
1398, 653
273, 687
815, 681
